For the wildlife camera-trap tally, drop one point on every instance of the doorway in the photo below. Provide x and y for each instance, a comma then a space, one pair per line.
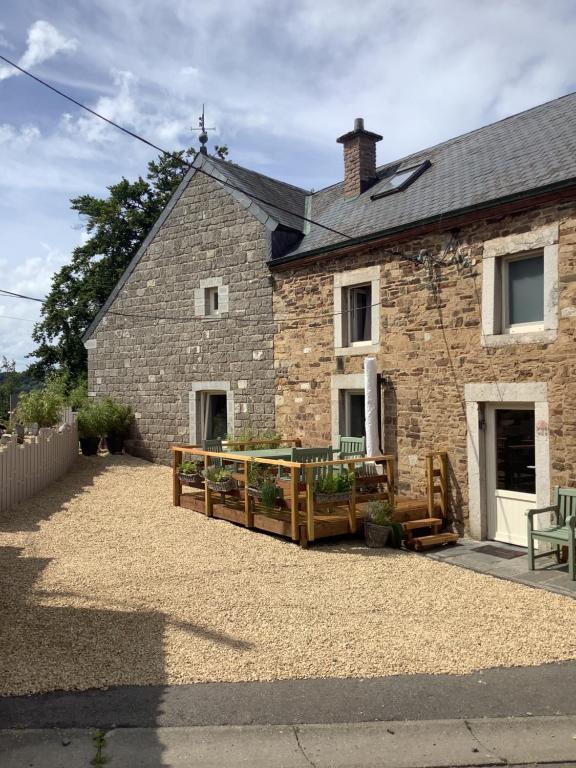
511, 470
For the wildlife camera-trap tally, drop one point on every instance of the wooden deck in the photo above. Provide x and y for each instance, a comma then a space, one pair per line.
297, 515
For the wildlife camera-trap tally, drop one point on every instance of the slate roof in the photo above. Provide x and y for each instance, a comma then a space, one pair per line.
517, 155
525, 152
280, 198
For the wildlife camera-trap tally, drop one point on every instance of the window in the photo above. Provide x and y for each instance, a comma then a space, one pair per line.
397, 179
212, 410
211, 301
359, 314
523, 293
520, 288
353, 422
357, 311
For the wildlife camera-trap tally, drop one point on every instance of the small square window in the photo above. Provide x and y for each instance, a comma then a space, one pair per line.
523, 293
211, 301
358, 308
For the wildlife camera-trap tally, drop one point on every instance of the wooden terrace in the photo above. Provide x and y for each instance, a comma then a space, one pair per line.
299, 513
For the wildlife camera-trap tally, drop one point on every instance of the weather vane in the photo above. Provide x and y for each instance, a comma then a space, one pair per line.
203, 137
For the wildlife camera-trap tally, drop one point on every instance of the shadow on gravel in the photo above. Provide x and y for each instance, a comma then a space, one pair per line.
46, 647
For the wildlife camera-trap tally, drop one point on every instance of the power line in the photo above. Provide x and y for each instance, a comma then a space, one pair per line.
172, 154
22, 319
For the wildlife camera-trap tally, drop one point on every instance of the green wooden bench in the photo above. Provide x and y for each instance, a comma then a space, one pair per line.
561, 534
351, 447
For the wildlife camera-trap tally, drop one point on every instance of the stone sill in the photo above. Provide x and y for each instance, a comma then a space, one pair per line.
367, 349
514, 339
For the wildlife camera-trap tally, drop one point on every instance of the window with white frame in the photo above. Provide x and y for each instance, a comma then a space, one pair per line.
523, 293
211, 298
520, 288
352, 413
357, 307
211, 304
357, 311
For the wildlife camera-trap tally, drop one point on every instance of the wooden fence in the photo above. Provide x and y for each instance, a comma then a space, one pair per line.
26, 469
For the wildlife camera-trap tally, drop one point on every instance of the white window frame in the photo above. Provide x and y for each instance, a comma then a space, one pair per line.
202, 305
496, 251
197, 391
343, 281
507, 327
211, 301
346, 416
348, 325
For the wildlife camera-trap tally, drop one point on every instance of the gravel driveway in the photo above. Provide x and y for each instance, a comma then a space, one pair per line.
103, 582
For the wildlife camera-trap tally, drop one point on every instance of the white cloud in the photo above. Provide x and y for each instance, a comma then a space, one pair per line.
44, 42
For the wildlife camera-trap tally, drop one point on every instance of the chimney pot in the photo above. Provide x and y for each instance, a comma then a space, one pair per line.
359, 158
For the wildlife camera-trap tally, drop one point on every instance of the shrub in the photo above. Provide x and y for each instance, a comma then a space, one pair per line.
334, 482
117, 417
217, 474
91, 419
78, 395
381, 513
40, 406
268, 493
190, 467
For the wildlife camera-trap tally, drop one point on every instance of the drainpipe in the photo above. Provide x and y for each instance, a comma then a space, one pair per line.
371, 405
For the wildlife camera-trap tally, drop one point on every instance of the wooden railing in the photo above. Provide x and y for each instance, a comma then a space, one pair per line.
296, 480
437, 482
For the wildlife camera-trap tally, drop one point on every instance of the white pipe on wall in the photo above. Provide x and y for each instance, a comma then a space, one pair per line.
371, 406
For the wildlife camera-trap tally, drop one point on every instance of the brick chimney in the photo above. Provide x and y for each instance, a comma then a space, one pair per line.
359, 158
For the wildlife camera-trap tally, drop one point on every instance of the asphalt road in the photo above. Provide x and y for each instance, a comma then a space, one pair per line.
547, 690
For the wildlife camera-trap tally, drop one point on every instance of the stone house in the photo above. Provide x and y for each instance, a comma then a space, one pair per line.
454, 267
186, 337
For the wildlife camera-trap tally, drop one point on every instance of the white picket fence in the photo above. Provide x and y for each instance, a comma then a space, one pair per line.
26, 469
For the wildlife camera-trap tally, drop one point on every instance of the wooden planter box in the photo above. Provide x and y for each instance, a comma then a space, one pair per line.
343, 497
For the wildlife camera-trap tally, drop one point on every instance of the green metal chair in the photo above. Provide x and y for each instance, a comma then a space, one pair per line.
561, 534
215, 446
351, 447
311, 455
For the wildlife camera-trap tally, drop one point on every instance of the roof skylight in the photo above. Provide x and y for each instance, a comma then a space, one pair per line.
399, 179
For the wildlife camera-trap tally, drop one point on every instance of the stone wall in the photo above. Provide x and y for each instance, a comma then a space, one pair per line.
154, 361
430, 346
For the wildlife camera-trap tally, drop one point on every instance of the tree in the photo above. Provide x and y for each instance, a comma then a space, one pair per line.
117, 225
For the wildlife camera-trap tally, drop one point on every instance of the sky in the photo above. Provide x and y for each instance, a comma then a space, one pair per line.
281, 81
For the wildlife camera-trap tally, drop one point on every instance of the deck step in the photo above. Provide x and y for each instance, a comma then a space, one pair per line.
425, 522
435, 540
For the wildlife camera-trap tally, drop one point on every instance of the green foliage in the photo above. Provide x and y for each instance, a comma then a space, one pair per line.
250, 434
217, 474
78, 394
117, 225
40, 406
12, 383
117, 417
190, 467
91, 419
268, 493
381, 513
334, 482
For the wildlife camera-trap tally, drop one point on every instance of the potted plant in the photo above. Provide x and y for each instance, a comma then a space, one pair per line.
190, 472
262, 485
219, 479
90, 420
333, 487
380, 528
117, 418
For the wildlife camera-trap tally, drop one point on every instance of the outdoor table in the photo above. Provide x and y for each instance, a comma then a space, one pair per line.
267, 453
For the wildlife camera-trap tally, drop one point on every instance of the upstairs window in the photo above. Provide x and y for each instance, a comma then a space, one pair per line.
211, 301
398, 179
523, 293
358, 301
357, 311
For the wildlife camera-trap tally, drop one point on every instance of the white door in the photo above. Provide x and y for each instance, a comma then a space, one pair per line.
510, 470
